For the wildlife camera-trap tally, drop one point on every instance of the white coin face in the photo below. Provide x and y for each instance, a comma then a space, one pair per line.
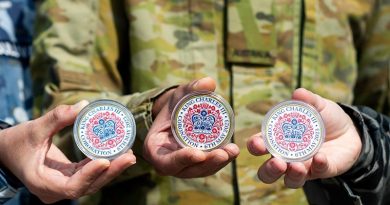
203, 120
293, 131
104, 129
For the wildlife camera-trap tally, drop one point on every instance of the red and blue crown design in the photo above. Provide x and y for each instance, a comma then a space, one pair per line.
105, 130
293, 131
203, 122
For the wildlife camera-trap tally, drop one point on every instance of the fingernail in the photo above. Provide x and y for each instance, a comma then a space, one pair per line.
104, 162
80, 105
131, 157
133, 160
195, 85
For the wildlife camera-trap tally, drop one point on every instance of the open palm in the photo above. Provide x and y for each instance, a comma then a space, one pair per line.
167, 156
27, 150
337, 154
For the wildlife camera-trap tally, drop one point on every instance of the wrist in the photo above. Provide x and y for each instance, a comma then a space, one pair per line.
366, 153
353, 131
160, 100
6, 174
3, 141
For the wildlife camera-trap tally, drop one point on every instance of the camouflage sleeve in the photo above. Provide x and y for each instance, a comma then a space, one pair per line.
372, 38
75, 57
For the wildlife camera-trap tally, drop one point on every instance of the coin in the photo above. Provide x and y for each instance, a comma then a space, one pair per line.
202, 120
293, 131
104, 129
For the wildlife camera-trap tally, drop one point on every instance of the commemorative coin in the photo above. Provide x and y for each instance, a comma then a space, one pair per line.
293, 131
104, 129
202, 120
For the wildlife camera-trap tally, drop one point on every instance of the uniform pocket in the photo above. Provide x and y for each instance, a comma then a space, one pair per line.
251, 37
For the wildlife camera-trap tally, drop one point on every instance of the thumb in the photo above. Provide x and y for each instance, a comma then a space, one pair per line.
59, 117
204, 84
308, 97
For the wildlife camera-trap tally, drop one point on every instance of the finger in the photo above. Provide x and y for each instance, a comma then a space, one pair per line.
256, 146
174, 162
216, 160
272, 170
68, 171
232, 150
59, 155
204, 84
306, 96
117, 166
58, 118
296, 175
82, 163
319, 167
78, 184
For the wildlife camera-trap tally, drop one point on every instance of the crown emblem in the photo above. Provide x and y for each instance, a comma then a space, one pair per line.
203, 123
105, 130
293, 131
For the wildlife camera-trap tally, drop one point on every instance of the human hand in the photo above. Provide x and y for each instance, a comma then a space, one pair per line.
167, 156
28, 152
337, 154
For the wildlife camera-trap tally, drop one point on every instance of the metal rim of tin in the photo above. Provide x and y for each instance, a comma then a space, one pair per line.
277, 148
121, 115
225, 134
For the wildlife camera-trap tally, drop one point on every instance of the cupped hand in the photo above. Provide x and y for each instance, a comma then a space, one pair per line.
28, 152
167, 156
337, 154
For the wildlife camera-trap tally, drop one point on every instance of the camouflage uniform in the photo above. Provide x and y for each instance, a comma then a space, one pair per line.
258, 52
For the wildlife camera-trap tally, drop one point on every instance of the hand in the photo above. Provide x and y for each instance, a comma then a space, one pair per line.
28, 152
167, 156
337, 154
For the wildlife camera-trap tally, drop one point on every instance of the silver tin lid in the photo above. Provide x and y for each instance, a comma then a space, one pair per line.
104, 129
293, 131
203, 120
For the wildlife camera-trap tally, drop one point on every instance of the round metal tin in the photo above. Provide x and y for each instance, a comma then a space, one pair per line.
104, 129
202, 120
293, 131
